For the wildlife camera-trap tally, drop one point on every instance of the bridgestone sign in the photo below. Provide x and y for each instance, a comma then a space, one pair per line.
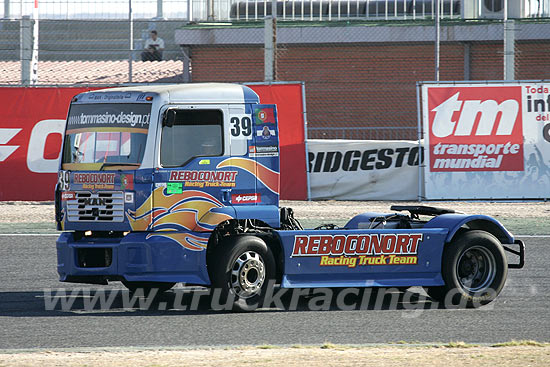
363, 169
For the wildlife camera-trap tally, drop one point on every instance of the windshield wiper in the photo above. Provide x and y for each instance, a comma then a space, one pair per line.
111, 164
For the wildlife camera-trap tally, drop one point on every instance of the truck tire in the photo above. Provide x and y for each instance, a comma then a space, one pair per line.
241, 269
474, 268
148, 286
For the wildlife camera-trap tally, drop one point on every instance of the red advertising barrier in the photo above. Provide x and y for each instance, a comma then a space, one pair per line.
32, 125
31, 131
290, 113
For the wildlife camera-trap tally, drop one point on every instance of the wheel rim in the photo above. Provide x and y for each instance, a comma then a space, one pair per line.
248, 274
476, 269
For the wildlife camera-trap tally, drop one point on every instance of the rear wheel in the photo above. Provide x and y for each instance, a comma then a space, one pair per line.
474, 268
241, 269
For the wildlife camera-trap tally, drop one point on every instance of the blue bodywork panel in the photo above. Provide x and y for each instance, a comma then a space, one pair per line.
362, 258
138, 256
455, 221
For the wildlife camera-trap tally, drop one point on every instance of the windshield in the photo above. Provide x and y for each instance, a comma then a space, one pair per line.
105, 135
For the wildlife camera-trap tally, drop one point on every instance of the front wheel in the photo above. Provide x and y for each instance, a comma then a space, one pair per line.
474, 268
241, 269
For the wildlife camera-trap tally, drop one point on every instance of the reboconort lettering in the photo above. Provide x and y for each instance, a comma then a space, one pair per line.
203, 176
352, 245
93, 178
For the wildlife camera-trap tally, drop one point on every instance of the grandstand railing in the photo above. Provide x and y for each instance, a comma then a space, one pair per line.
250, 10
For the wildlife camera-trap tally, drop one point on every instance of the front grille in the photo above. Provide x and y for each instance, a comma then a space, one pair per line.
103, 206
94, 257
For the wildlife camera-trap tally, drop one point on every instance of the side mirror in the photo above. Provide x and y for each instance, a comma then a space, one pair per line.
169, 118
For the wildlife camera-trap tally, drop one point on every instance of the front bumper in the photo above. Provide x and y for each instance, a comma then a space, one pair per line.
520, 253
139, 256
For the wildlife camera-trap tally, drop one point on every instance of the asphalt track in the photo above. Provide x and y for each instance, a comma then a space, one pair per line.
27, 267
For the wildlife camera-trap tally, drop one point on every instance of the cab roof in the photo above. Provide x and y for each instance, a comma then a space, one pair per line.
193, 92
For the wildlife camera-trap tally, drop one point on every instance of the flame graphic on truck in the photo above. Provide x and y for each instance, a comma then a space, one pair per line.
174, 215
266, 176
190, 211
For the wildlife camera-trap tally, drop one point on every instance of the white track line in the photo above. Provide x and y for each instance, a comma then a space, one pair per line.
534, 236
57, 234
28, 234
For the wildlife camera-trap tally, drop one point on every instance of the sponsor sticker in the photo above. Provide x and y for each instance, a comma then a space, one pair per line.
360, 250
207, 178
129, 197
68, 195
95, 180
127, 181
263, 151
265, 133
174, 188
246, 198
264, 116
475, 129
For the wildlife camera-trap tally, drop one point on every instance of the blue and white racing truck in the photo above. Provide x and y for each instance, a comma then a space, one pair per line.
180, 183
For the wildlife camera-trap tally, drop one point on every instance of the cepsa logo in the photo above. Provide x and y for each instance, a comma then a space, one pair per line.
353, 250
68, 195
246, 198
475, 129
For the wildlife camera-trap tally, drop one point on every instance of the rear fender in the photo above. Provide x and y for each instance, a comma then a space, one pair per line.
454, 222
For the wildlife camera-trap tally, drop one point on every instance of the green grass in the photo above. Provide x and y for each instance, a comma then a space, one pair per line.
521, 343
517, 226
407, 342
42, 227
328, 345
459, 345
527, 226
267, 346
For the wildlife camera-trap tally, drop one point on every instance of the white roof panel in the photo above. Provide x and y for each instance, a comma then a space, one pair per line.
196, 92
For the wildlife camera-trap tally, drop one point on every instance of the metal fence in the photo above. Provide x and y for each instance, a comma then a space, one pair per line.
364, 132
360, 74
89, 52
250, 10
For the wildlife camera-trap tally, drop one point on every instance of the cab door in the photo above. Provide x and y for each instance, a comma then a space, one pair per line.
192, 188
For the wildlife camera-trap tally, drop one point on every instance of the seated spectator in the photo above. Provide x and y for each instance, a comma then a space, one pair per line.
153, 48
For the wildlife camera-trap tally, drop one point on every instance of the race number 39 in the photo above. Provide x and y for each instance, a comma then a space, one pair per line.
241, 127
64, 180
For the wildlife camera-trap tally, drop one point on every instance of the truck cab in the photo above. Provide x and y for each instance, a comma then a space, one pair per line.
148, 172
